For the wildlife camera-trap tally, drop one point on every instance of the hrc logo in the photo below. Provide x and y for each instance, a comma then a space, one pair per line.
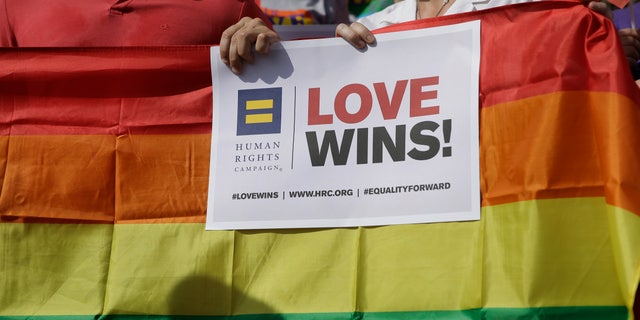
259, 111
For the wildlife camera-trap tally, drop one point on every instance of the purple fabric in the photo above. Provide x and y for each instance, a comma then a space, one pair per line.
622, 17
622, 20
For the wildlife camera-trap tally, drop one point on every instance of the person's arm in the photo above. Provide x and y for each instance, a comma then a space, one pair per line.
252, 32
7, 38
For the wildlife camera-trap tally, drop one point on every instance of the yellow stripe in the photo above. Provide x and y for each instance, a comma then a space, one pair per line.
183, 269
259, 118
549, 253
191, 273
533, 253
625, 237
421, 267
528, 254
260, 104
53, 269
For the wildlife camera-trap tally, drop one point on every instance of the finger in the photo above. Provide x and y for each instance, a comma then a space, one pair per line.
235, 60
350, 35
265, 37
265, 40
628, 32
632, 55
225, 40
635, 36
632, 51
364, 33
629, 38
630, 43
244, 40
601, 8
250, 35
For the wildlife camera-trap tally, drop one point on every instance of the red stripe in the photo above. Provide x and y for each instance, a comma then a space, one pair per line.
542, 47
105, 90
168, 89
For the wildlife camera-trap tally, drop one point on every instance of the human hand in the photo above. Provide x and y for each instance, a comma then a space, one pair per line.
240, 40
356, 34
601, 8
630, 41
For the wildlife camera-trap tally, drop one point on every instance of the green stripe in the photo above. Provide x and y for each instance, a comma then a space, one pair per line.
547, 313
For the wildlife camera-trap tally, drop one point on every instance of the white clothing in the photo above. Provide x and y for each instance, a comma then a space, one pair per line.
405, 10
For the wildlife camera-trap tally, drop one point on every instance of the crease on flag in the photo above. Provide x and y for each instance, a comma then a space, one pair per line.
126, 186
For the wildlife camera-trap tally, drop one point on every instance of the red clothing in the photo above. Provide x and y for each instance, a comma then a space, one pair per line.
78, 23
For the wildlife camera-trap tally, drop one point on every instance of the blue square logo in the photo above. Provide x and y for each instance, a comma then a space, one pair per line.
259, 111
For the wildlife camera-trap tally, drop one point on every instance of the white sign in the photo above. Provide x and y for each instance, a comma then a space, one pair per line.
319, 134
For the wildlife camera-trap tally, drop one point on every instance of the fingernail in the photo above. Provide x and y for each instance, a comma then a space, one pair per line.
370, 38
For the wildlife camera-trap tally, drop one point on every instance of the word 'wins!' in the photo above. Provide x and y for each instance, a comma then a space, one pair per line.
421, 134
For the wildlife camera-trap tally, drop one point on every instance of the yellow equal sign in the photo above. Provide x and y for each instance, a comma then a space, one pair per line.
259, 117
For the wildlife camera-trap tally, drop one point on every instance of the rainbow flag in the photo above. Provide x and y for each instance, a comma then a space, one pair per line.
104, 162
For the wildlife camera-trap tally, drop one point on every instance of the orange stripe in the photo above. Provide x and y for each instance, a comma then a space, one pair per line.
553, 146
101, 179
59, 177
162, 177
567, 144
4, 145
